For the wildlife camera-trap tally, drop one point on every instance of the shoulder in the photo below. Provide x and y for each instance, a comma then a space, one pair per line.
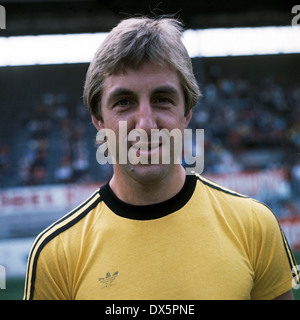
222, 192
68, 221
238, 206
226, 198
217, 188
48, 241
254, 218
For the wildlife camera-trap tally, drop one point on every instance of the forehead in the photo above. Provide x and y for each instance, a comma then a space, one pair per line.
146, 77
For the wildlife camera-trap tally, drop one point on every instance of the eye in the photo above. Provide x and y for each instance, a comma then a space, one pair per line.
163, 100
123, 102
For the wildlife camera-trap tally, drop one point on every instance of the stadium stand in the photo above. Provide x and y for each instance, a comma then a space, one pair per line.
54, 141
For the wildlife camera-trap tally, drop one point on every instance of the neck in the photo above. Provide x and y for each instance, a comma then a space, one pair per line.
136, 193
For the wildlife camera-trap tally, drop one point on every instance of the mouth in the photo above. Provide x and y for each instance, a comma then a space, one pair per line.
148, 151
146, 146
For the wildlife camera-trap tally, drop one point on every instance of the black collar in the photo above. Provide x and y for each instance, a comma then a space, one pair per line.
148, 212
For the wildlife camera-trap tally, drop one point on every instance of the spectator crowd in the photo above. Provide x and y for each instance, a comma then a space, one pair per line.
239, 117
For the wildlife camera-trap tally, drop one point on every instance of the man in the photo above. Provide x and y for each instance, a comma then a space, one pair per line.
153, 232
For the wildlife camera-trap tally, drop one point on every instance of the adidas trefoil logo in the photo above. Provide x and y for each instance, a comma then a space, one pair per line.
108, 280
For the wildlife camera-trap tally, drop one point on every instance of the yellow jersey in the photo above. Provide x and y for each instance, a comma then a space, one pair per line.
207, 242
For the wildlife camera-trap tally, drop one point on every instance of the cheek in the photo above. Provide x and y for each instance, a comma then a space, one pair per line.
120, 127
173, 121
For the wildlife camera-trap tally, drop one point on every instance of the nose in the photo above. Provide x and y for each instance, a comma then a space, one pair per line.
145, 117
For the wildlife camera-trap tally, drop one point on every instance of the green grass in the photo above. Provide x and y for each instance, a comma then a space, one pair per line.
14, 287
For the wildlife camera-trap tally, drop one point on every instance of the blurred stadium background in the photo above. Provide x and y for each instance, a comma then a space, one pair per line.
250, 111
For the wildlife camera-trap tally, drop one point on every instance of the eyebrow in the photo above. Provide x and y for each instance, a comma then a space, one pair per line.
123, 92
165, 90
118, 92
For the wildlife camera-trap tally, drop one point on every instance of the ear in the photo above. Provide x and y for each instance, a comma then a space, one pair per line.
97, 123
188, 117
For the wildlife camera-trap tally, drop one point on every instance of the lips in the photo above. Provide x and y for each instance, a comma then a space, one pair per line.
146, 147
147, 153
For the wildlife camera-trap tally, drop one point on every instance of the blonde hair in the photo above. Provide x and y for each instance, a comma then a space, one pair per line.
130, 44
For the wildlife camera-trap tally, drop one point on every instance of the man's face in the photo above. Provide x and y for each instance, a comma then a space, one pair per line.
150, 97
